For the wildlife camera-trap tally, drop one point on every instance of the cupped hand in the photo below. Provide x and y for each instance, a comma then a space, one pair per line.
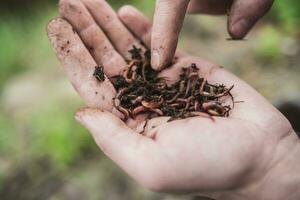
194, 155
169, 16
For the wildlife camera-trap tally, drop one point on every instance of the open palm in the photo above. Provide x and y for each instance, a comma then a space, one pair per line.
191, 155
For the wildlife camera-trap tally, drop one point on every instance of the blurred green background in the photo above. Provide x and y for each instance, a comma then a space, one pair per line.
45, 154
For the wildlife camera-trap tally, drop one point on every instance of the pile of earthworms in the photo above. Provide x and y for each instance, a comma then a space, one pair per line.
141, 91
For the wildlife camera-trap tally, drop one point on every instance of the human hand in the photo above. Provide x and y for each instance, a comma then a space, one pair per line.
236, 157
169, 16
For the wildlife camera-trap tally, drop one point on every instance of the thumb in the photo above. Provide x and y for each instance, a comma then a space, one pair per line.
244, 15
133, 152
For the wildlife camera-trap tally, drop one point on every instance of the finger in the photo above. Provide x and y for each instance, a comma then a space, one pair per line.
93, 37
79, 65
109, 22
168, 19
137, 23
134, 153
140, 26
244, 15
213, 7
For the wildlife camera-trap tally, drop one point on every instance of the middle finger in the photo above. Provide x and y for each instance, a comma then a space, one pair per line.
115, 30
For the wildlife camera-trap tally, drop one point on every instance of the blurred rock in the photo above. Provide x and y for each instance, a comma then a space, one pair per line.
292, 112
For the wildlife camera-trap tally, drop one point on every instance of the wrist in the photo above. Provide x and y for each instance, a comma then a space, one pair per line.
277, 180
282, 180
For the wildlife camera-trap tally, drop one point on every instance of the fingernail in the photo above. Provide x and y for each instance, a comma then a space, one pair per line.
84, 120
81, 115
155, 61
78, 117
240, 28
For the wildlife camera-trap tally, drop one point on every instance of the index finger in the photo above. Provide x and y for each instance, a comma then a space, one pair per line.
168, 19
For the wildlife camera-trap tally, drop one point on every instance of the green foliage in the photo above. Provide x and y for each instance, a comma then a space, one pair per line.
24, 44
146, 7
268, 45
48, 130
10, 51
56, 135
7, 135
287, 14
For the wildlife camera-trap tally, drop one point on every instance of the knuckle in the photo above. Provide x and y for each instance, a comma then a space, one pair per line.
66, 5
269, 2
69, 7
111, 57
265, 5
89, 31
173, 3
